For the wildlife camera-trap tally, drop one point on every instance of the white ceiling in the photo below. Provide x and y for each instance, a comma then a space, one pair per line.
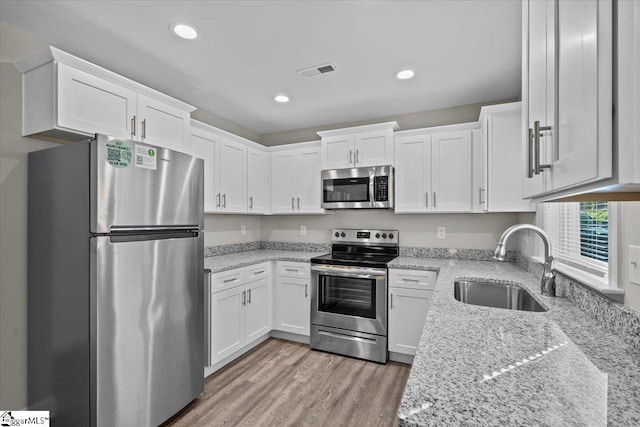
248, 51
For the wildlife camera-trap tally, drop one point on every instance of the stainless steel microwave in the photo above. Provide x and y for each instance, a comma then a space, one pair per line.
358, 188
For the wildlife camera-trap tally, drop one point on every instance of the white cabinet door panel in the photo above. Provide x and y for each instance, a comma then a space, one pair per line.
283, 170
308, 194
337, 152
258, 310
90, 104
204, 146
256, 181
407, 313
413, 173
161, 124
374, 148
451, 171
233, 176
227, 323
293, 305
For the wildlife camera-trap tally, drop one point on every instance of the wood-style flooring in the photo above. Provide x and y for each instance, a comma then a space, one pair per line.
282, 383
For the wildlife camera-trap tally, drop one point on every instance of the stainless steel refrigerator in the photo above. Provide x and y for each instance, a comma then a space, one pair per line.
115, 271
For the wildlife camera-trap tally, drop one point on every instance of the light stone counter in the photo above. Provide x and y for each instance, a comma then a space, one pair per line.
488, 366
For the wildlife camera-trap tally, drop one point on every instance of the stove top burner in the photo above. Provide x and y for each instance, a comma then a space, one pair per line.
379, 261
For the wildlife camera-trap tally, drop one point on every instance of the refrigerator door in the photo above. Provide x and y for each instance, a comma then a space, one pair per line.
134, 184
148, 326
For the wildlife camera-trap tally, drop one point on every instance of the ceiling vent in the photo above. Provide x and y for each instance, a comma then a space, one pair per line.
317, 70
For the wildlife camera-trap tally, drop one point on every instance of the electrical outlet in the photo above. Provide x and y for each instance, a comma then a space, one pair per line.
303, 230
243, 230
442, 232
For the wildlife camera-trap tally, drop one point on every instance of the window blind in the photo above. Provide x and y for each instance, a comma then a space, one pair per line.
579, 233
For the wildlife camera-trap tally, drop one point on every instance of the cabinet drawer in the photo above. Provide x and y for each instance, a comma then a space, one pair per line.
228, 279
258, 271
294, 269
412, 279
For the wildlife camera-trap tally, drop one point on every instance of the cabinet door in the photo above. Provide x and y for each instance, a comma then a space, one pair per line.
374, 148
309, 183
407, 313
479, 172
338, 152
258, 310
451, 171
293, 305
227, 322
92, 105
283, 172
413, 174
256, 181
504, 130
162, 125
205, 146
233, 177
538, 86
584, 140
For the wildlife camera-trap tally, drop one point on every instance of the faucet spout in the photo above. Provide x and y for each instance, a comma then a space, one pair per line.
548, 282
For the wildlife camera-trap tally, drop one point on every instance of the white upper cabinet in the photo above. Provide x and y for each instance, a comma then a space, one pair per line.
206, 146
433, 172
232, 176
567, 97
257, 173
295, 181
496, 153
360, 146
66, 99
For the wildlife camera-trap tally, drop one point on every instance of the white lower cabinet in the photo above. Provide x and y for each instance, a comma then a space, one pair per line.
293, 298
240, 314
410, 295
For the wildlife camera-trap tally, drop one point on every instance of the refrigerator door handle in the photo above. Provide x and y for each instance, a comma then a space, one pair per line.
152, 228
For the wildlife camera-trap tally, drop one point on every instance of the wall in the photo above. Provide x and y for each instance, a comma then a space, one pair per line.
13, 240
423, 119
629, 235
224, 124
468, 231
225, 229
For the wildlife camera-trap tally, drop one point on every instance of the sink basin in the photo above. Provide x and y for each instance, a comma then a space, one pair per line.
492, 294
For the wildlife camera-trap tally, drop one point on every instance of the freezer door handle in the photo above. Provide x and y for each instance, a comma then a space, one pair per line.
152, 228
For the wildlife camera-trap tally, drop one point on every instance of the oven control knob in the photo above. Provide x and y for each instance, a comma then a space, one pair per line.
384, 235
342, 234
337, 234
377, 235
391, 235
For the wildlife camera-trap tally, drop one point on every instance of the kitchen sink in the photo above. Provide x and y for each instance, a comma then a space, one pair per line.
493, 294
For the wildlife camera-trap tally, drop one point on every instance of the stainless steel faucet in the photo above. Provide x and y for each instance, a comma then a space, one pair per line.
548, 282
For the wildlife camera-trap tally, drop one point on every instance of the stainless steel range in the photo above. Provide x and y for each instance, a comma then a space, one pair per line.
349, 294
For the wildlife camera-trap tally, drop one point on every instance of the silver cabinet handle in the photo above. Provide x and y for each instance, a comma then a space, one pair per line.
427, 199
480, 191
391, 295
530, 155
306, 294
224, 200
350, 156
144, 128
249, 299
291, 269
251, 202
357, 156
133, 126
244, 297
298, 202
410, 280
258, 272
231, 280
218, 200
536, 146
434, 199
293, 200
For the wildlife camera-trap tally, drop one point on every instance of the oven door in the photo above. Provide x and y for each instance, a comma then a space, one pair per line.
349, 297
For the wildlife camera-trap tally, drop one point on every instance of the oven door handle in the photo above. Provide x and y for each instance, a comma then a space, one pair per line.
358, 272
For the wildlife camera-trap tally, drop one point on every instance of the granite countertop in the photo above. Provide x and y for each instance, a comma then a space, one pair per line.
241, 259
488, 366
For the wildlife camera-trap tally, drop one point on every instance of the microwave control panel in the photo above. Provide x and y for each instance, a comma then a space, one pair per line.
381, 185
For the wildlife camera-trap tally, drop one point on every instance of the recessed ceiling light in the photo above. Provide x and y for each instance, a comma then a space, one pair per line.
281, 98
184, 31
405, 74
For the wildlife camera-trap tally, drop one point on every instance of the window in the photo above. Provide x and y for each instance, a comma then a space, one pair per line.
579, 234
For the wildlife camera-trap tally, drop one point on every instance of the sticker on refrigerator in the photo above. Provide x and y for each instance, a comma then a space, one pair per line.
118, 153
146, 157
